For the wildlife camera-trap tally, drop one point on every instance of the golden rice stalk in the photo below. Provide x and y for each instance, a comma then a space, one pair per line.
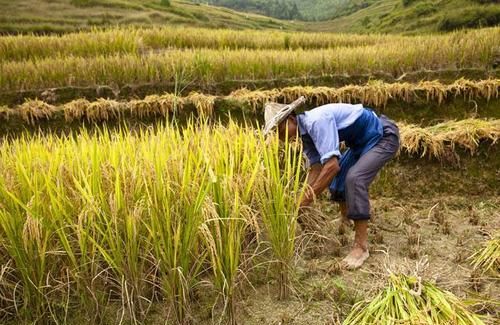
204, 103
373, 94
411, 300
32, 231
467, 133
256, 99
104, 109
472, 89
488, 88
5, 112
156, 105
435, 90
433, 140
34, 110
416, 140
75, 110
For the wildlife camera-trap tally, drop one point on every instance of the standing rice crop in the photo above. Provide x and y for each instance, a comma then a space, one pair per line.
207, 66
233, 173
279, 196
133, 218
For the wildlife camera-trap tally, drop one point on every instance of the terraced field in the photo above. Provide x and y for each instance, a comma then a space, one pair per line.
136, 187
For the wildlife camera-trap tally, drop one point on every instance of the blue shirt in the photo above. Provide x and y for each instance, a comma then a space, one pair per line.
323, 128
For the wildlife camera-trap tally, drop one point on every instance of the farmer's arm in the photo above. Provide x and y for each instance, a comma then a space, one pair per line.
324, 138
313, 173
320, 178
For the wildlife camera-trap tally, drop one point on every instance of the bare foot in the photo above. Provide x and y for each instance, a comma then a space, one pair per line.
356, 258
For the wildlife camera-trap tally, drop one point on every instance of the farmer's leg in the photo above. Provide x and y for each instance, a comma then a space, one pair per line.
344, 220
337, 188
358, 180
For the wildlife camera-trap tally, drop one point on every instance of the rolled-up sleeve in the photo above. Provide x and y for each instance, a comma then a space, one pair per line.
325, 136
310, 150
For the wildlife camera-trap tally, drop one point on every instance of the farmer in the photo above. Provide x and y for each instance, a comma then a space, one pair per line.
371, 142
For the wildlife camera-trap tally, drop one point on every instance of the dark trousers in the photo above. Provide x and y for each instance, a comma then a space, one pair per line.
361, 174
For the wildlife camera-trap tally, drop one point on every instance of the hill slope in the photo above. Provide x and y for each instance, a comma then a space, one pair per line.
294, 9
49, 16
376, 15
413, 16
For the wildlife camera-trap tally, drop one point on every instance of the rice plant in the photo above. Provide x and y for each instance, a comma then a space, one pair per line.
207, 66
132, 40
487, 258
134, 218
279, 196
233, 173
411, 300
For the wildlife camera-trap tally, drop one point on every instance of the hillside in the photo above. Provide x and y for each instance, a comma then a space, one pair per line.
60, 16
414, 16
311, 10
376, 15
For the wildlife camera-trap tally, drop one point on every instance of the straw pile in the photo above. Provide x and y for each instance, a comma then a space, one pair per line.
374, 94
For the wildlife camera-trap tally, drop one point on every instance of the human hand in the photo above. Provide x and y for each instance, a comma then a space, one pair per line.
307, 199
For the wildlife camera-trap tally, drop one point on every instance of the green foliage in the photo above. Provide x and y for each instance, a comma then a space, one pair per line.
406, 3
470, 18
283, 9
422, 9
165, 3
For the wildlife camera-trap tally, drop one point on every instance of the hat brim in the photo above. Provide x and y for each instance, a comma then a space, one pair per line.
283, 115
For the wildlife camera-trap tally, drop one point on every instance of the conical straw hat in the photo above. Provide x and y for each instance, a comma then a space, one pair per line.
275, 113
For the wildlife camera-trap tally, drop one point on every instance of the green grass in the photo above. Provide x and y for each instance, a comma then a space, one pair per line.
62, 16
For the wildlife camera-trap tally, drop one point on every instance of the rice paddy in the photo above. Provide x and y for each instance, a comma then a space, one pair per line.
189, 216
214, 65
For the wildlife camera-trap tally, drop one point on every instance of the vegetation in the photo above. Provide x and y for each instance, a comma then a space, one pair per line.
287, 9
207, 66
63, 16
487, 259
183, 216
409, 299
100, 218
471, 18
374, 94
436, 141
361, 16
411, 17
141, 41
